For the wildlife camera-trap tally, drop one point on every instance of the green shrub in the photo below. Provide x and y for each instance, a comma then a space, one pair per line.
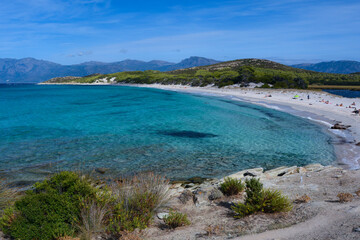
43, 216
261, 200
176, 219
265, 86
231, 186
70, 205
67, 184
274, 201
254, 193
50, 210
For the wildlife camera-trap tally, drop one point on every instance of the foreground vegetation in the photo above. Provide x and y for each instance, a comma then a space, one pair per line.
240, 72
71, 205
259, 199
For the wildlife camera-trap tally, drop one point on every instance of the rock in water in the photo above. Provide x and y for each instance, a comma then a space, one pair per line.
101, 170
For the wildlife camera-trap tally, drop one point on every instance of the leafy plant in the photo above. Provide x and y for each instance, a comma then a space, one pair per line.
231, 186
50, 210
261, 200
176, 219
274, 202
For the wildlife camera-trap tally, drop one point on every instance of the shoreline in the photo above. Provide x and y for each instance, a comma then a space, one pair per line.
347, 153
314, 109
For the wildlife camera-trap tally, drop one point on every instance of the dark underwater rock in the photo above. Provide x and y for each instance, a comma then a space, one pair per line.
187, 134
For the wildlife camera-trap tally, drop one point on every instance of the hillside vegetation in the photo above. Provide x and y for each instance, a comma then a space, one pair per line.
222, 74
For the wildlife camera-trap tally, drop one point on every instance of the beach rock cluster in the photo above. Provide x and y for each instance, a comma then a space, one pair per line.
203, 193
340, 126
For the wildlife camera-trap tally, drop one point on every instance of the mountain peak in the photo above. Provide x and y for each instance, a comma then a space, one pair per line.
342, 66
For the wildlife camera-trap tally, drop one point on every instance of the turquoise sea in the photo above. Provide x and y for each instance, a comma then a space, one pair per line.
127, 130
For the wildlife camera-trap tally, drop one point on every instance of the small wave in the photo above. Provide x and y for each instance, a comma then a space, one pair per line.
320, 121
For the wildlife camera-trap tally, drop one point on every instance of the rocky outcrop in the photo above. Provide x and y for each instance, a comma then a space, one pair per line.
340, 126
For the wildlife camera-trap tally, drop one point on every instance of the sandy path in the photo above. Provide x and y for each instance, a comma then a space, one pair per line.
336, 222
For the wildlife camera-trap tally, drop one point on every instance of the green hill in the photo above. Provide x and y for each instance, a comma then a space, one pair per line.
240, 72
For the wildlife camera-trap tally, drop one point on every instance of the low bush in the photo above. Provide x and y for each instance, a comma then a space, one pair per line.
231, 186
176, 219
69, 205
261, 200
50, 210
274, 202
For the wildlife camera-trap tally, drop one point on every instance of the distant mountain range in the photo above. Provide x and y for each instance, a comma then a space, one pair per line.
30, 70
331, 67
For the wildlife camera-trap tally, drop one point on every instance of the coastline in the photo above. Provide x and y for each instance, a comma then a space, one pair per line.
323, 216
314, 109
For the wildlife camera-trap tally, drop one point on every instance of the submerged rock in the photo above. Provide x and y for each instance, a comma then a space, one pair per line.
101, 170
187, 134
197, 180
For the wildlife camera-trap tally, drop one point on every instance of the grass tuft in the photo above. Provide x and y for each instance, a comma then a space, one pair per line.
176, 219
231, 186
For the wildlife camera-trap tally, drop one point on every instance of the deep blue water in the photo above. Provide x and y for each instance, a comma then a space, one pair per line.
344, 93
49, 128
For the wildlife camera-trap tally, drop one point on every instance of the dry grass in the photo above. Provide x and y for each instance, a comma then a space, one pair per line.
130, 236
213, 230
144, 182
92, 220
303, 199
345, 197
358, 192
67, 238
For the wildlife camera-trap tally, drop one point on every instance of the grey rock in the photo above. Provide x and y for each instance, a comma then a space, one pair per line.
185, 196
215, 194
200, 197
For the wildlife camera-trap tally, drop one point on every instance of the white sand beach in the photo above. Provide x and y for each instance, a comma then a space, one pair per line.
321, 107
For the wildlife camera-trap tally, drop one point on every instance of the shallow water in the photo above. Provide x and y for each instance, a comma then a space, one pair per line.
126, 129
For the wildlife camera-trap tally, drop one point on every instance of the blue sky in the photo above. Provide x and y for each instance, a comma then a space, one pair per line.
75, 31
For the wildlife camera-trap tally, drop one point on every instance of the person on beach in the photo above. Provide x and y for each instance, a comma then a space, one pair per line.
308, 97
